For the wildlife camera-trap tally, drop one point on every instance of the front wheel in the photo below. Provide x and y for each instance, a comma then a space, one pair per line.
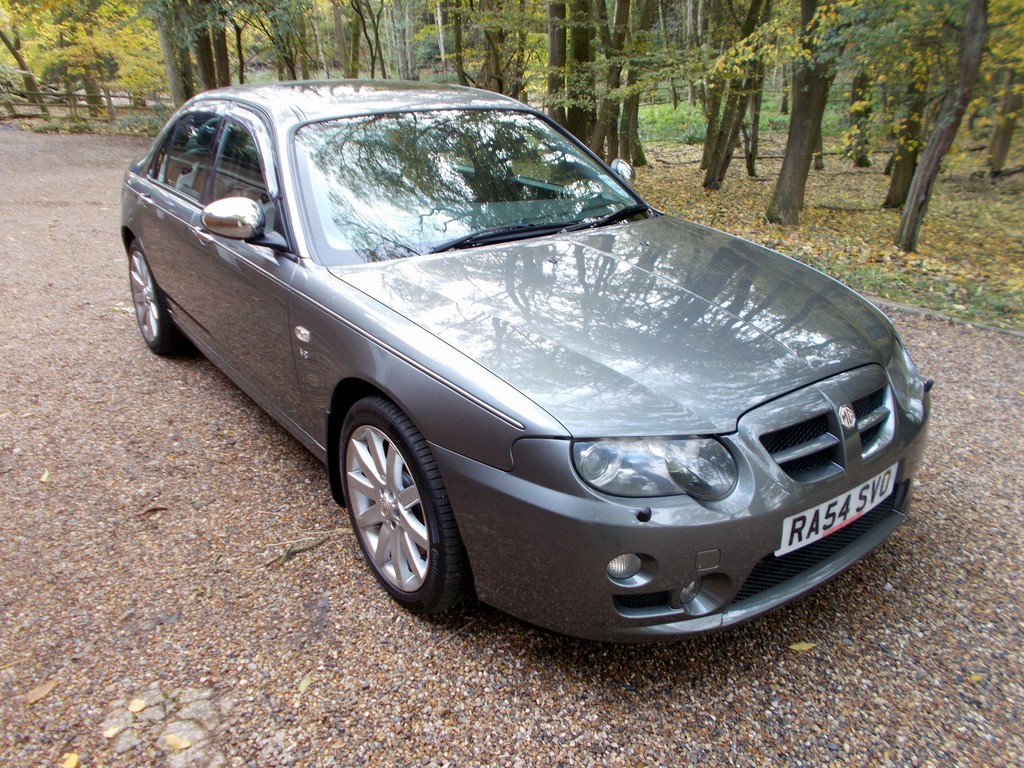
399, 508
155, 323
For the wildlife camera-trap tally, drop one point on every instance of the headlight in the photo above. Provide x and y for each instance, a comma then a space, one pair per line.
907, 383
701, 467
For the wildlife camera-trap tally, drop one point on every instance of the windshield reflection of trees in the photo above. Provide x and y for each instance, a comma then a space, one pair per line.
397, 183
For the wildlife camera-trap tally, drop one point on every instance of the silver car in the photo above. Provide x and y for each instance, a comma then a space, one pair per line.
526, 383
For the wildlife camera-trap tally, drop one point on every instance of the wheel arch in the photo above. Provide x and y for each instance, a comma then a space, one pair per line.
127, 236
347, 393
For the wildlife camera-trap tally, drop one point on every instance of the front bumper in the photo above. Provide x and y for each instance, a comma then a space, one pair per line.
539, 540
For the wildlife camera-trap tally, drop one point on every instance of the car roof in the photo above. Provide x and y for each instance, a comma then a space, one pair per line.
309, 101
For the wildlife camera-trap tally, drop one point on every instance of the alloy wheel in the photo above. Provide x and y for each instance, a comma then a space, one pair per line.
147, 310
387, 509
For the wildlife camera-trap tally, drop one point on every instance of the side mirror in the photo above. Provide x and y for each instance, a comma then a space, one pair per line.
238, 218
623, 170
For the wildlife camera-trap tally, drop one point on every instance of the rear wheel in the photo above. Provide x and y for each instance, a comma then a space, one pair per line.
155, 323
399, 508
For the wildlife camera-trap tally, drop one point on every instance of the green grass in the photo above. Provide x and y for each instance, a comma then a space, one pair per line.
660, 124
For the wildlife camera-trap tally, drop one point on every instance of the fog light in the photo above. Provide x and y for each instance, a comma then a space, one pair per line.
690, 591
624, 566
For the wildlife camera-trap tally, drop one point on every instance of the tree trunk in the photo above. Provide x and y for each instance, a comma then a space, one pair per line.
460, 49
33, 93
221, 56
108, 99
202, 49
556, 61
784, 97
972, 46
410, 49
860, 119
579, 117
374, 42
725, 137
321, 57
612, 41
903, 162
180, 89
811, 82
303, 46
239, 52
93, 95
439, 17
753, 138
1009, 107
711, 101
630, 147
754, 134
491, 74
397, 47
72, 98
341, 56
353, 53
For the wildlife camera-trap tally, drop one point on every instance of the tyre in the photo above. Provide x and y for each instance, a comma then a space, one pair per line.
399, 508
155, 323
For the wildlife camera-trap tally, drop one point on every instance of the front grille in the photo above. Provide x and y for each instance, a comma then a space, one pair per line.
772, 570
777, 442
803, 449
869, 403
871, 417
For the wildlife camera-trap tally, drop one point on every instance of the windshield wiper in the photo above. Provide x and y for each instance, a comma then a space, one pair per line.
497, 235
518, 231
611, 218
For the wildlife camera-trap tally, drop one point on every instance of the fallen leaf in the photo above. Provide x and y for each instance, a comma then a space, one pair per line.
976, 678
304, 684
70, 760
45, 477
176, 742
136, 705
801, 647
111, 732
38, 693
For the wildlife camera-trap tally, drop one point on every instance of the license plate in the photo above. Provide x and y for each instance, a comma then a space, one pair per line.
810, 526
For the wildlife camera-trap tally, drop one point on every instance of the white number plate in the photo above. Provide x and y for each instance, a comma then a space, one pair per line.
807, 527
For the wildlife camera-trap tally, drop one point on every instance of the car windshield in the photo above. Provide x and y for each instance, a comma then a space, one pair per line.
392, 185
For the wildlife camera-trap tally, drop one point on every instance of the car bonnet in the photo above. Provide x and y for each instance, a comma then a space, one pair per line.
659, 327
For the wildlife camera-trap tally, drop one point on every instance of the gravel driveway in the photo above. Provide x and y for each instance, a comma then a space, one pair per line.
150, 617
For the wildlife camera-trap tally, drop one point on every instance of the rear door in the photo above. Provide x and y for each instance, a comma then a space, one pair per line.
171, 194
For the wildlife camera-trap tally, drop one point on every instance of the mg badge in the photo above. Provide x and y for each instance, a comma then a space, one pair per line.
847, 417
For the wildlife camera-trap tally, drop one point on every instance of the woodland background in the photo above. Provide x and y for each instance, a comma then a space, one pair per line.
827, 129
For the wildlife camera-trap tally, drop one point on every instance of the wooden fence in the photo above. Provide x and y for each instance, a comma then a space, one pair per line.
111, 107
